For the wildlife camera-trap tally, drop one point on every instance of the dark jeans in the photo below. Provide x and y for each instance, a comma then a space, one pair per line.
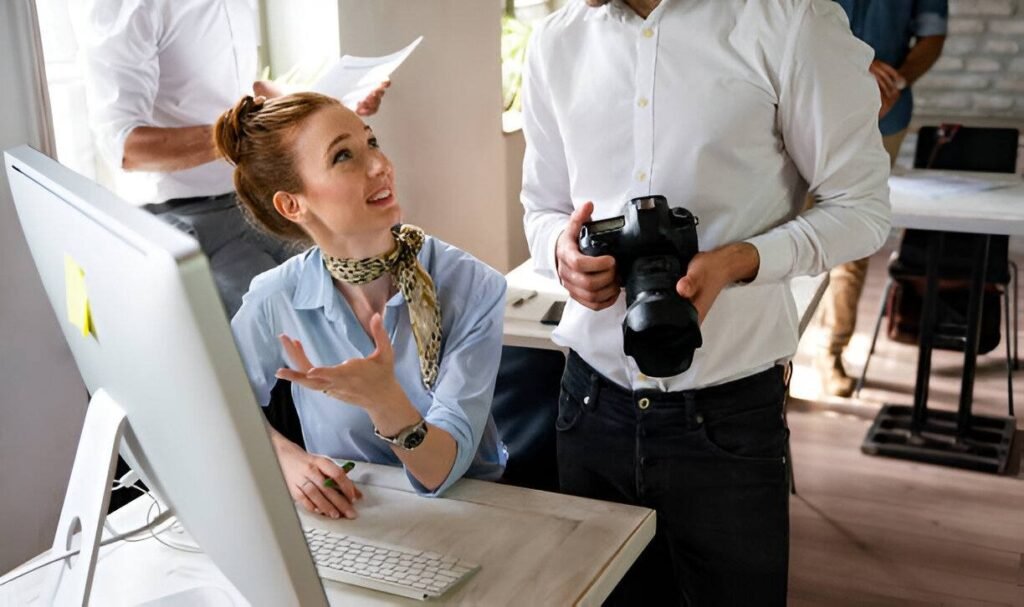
237, 251
711, 463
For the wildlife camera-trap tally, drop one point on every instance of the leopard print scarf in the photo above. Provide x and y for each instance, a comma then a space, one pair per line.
413, 282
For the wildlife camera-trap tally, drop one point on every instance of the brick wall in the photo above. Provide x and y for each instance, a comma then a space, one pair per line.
981, 72
980, 78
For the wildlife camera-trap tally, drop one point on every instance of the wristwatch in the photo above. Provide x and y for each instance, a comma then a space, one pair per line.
408, 438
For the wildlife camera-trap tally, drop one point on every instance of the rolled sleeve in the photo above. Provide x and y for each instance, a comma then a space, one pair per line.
931, 18
546, 193
119, 41
930, 24
465, 384
828, 114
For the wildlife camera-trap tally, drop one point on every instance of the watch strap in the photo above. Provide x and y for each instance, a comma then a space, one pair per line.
401, 439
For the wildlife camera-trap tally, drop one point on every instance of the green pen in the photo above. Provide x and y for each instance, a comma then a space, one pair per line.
347, 467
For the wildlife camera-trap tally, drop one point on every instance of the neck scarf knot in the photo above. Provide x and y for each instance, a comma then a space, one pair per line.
413, 282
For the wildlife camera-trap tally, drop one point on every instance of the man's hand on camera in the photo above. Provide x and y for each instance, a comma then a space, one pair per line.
589, 280
710, 272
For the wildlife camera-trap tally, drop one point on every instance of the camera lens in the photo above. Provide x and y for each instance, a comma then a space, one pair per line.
661, 333
661, 330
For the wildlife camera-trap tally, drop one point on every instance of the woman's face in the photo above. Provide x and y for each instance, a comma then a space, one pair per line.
348, 183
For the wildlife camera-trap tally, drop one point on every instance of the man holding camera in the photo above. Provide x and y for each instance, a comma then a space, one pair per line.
732, 110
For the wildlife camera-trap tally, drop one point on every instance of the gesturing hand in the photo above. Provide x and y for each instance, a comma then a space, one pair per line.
590, 280
359, 381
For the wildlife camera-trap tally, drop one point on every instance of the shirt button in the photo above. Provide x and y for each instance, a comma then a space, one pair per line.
648, 32
644, 403
642, 102
641, 176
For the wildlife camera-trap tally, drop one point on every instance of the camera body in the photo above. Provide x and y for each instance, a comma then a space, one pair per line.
652, 245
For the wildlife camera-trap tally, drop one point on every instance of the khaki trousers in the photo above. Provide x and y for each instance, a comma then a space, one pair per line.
846, 282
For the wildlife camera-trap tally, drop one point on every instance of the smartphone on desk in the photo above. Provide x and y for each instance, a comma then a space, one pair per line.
554, 314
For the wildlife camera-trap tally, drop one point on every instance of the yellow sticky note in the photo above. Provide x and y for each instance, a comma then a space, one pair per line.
77, 297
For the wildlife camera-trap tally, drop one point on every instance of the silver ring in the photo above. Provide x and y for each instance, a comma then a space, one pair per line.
307, 481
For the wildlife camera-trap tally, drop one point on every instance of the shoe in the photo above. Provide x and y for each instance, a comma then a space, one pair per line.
834, 380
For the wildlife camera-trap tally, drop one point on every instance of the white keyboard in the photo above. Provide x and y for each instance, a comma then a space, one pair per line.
394, 569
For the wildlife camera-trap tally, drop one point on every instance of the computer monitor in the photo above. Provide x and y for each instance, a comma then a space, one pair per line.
139, 310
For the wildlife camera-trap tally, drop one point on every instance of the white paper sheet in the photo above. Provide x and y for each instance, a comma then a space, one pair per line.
941, 186
351, 78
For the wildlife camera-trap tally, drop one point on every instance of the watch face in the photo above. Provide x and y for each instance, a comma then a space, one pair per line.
413, 440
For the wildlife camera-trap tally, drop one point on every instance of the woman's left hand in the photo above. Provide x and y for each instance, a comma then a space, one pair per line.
359, 381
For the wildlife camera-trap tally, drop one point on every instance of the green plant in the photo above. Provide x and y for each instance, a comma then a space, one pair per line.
514, 36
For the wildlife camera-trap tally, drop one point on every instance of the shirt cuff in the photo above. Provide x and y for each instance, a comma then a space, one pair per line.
459, 467
113, 151
551, 253
775, 249
930, 24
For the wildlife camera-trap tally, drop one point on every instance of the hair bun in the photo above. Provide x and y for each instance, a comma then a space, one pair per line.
230, 130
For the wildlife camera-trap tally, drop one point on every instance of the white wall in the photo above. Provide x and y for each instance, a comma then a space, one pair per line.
42, 398
440, 122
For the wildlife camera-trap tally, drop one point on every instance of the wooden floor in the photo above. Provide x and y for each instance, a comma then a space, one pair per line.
876, 531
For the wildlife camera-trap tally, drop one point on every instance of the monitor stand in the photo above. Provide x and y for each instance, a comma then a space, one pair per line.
86, 502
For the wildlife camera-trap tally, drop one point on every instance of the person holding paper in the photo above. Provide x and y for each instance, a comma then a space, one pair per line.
733, 110
157, 74
390, 338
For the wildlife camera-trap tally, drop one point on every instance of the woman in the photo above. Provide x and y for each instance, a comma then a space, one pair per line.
391, 339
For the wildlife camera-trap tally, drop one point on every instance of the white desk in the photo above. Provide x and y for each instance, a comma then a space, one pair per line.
914, 432
535, 548
522, 327
522, 323
994, 211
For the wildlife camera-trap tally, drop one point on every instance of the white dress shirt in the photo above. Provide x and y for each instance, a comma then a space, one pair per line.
730, 108
167, 63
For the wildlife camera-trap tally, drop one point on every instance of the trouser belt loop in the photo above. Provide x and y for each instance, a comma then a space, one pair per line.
694, 418
590, 400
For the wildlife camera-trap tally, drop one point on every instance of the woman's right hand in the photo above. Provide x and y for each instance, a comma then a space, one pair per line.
305, 475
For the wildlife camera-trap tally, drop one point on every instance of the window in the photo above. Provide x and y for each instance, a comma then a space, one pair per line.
516, 24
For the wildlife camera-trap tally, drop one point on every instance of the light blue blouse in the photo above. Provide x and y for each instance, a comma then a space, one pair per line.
299, 299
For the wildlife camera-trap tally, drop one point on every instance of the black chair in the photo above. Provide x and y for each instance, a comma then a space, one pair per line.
524, 408
953, 147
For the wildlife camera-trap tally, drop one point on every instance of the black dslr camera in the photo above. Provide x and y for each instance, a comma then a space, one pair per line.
652, 245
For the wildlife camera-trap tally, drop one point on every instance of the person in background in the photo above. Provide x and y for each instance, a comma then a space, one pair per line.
733, 110
907, 37
390, 338
157, 74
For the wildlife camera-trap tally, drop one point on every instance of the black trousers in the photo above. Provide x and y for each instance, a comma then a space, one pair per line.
711, 463
236, 250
